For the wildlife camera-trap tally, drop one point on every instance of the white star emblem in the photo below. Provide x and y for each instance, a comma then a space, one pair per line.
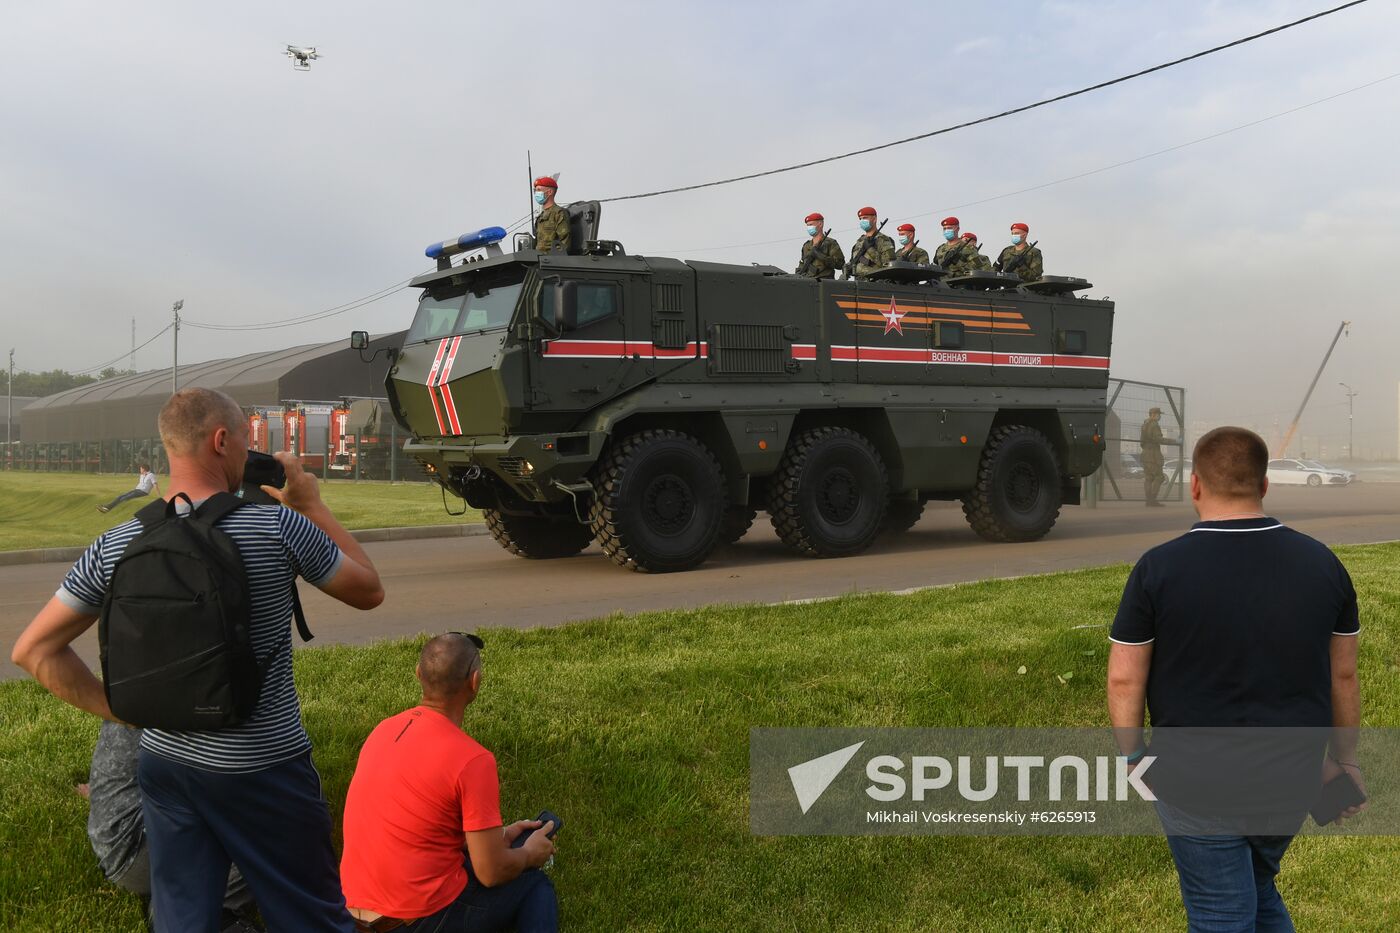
892, 317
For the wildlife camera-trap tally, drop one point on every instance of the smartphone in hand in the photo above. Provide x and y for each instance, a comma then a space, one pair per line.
1337, 795
546, 816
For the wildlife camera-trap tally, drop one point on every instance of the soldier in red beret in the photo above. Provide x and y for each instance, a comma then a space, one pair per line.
821, 255
978, 261
873, 250
1021, 258
953, 253
909, 248
552, 225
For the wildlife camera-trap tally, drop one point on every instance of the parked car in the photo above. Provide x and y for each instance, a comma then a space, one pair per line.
1317, 465
1299, 473
1130, 467
1176, 470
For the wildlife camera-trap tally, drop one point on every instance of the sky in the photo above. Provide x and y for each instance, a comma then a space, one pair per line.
162, 151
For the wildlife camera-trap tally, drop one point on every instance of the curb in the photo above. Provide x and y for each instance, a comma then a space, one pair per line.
51, 555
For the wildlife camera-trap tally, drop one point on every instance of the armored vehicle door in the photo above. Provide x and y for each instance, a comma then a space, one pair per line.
1082, 342
604, 344
893, 333
960, 337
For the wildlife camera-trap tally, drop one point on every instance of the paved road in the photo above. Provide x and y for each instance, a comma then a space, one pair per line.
456, 583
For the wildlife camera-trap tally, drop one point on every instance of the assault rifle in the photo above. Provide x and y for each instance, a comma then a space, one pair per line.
908, 250
1015, 260
870, 238
806, 265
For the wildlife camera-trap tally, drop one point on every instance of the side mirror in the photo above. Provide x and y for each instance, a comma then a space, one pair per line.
558, 309
359, 339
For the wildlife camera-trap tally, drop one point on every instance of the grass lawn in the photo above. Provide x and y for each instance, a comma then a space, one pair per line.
635, 729
60, 509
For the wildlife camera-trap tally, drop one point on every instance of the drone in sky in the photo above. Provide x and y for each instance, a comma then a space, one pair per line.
302, 58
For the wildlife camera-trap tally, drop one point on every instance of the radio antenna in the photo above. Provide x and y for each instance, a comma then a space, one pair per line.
530, 171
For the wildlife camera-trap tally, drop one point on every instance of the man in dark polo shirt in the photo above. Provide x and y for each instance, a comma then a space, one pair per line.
1240, 622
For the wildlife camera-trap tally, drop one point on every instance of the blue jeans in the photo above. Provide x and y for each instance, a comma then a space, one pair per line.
125, 497
274, 823
527, 904
1227, 881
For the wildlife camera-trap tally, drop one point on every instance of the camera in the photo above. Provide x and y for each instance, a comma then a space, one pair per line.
261, 470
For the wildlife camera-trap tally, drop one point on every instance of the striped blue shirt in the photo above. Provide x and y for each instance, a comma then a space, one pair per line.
277, 545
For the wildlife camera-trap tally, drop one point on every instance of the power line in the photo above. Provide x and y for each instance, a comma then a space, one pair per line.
116, 359
988, 119
1068, 178
309, 318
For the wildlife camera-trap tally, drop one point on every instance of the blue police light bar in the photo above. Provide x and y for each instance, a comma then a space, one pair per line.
474, 240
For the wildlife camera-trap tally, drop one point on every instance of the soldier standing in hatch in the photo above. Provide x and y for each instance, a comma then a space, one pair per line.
976, 261
552, 226
1020, 258
821, 255
908, 250
952, 253
873, 250
1151, 457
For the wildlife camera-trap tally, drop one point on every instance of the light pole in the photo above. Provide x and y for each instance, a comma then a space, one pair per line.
10, 409
175, 360
1351, 424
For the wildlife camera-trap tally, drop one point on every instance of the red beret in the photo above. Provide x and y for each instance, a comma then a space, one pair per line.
969, 236
950, 221
867, 212
813, 217
906, 228
546, 182
1022, 227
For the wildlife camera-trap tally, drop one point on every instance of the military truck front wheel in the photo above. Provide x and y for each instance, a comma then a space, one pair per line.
658, 501
536, 537
1017, 496
738, 519
903, 515
829, 494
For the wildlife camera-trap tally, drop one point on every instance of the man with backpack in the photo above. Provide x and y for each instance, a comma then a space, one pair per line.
195, 596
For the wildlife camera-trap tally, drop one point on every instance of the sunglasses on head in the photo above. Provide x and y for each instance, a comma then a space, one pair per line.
471, 637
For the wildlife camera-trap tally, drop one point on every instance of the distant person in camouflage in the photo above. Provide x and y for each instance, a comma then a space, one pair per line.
954, 252
874, 250
909, 250
552, 226
821, 255
1151, 441
978, 261
1021, 258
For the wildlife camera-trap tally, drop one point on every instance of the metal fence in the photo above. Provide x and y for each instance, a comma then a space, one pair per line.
1122, 477
367, 456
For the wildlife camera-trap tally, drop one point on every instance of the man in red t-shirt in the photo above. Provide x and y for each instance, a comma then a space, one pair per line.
424, 792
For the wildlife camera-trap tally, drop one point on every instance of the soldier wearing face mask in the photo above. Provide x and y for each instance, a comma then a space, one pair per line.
909, 250
821, 255
1021, 258
874, 250
954, 252
552, 225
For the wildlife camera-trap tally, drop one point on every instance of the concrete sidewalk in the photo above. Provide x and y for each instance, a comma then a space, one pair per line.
48, 555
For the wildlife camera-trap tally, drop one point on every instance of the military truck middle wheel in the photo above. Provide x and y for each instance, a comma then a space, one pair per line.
828, 496
903, 515
737, 521
658, 501
537, 537
1017, 496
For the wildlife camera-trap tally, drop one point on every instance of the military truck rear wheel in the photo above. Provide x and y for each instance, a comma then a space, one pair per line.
829, 494
903, 514
1017, 495
537, 537
737, 521
658, 501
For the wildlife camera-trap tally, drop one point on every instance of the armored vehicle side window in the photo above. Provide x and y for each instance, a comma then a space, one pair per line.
492, 308
949, 335
436, 318
596, 301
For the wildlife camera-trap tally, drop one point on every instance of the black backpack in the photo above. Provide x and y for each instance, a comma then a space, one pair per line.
175, 633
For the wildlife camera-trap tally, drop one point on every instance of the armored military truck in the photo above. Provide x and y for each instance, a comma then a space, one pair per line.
655, 406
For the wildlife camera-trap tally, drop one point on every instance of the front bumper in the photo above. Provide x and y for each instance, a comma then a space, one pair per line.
536, 467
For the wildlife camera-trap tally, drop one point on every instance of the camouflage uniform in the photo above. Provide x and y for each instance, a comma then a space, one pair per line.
979, 262
829, 258
1151, 457
552, 227
955, 257
912, 254
1029, 264
877, 255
